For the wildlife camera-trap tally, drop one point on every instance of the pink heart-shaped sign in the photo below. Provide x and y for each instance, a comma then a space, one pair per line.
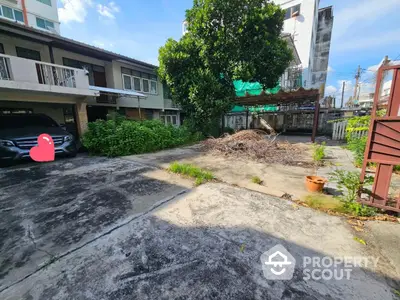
44, 151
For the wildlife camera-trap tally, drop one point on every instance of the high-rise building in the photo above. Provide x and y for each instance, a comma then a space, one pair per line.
39, 14
322, 47
311, 29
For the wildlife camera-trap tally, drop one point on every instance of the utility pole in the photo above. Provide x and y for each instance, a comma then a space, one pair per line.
344, 85
357, 81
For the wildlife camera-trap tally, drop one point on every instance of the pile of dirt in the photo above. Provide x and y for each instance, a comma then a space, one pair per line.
255, 145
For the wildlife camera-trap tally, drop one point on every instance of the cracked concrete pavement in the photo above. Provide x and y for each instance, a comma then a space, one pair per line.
98, 228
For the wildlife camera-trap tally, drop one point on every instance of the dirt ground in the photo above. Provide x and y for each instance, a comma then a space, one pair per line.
277, 179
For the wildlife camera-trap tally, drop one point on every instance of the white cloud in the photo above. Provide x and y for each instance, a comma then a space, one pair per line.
330, 69
103, 44
374, 68
348, 85
109, 10
330, 90
361, 12
73, 10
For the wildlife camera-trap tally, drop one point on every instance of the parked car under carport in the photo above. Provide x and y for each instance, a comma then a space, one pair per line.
19, 133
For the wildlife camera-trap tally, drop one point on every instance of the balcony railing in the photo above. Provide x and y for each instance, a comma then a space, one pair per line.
28, 74
55, 75
168, 103
4, 69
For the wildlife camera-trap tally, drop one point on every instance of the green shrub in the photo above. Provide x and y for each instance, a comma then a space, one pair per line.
189, 170
357, 209
357, 146
256, 180
125, 137
319, 152
349, 184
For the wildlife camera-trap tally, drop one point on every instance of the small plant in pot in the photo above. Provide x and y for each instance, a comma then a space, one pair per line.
316, 183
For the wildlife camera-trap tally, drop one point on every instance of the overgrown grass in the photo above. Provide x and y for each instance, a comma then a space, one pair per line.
329, 203
319, 152
323, 202
256, 180
200, 175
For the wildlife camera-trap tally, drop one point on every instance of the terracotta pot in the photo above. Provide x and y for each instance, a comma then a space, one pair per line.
315, 183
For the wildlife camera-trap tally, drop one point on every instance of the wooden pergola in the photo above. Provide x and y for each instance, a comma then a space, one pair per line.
299, 96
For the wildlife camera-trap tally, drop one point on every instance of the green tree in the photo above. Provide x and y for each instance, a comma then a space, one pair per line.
227, 40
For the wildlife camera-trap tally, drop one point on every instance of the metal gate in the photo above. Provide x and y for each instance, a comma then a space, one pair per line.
383, 146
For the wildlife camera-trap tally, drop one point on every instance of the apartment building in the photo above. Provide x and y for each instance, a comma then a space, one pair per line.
39, 14
72, 82
322, 48
311, 29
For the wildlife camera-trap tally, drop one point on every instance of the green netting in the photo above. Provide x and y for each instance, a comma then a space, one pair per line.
254, 89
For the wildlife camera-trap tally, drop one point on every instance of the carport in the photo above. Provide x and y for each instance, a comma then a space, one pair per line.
300, 101
109, 100
66, 110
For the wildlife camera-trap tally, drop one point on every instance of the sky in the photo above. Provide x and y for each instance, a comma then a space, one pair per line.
364, 31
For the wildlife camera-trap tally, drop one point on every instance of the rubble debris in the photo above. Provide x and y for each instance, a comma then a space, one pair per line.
255, 145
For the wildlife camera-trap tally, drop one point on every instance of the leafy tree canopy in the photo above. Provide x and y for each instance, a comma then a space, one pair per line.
226, 40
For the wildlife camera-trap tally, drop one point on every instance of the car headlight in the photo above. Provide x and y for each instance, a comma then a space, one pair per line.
68, 138
6, 143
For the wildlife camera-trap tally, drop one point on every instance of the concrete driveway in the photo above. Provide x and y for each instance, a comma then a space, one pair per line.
97, 228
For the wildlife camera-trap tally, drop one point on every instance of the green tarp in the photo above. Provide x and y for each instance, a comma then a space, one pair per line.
254, 89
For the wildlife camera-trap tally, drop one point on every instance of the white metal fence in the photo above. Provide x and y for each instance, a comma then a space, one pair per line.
339, 131
56, 75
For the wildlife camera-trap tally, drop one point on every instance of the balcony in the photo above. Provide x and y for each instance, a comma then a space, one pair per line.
22, 74
169, 104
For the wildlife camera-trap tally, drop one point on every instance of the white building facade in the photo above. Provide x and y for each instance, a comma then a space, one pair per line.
301, 21
39, 14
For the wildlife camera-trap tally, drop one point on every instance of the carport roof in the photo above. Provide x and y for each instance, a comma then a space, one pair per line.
116, 91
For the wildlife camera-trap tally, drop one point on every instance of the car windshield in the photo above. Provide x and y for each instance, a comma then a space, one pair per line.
8, 122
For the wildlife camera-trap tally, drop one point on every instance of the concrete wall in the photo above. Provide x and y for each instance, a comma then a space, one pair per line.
281, 122
44, 11
60, 53
55, 111
303, 28
10, 43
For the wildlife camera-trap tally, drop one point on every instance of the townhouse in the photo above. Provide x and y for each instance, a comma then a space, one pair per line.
75, 83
